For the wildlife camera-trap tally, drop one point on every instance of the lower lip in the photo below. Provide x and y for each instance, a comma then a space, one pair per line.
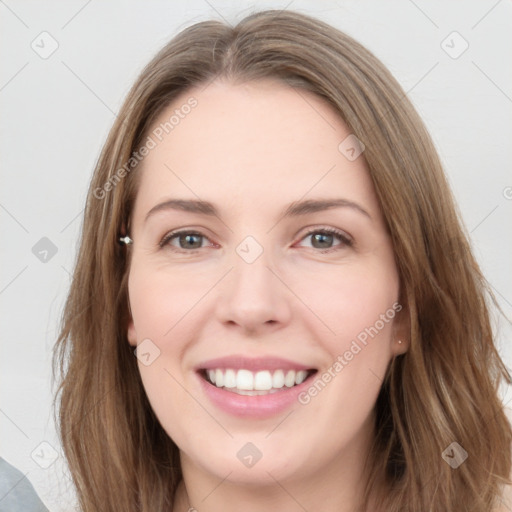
257, 406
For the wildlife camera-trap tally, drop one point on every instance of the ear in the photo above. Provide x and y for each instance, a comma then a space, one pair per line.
131, 332
400, 341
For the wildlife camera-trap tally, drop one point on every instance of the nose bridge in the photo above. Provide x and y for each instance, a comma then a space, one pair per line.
252, 279
253, 275
253, 296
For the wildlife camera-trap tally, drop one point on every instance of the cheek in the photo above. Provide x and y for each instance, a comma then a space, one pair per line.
358, 305
351, 303
158, 302
161, 298
164, 310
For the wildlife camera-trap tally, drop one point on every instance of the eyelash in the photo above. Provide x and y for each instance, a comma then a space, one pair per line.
344, 239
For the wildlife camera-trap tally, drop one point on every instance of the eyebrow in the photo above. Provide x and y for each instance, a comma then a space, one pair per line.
294, 209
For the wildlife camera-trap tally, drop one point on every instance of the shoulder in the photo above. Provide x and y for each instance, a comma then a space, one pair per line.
17, 491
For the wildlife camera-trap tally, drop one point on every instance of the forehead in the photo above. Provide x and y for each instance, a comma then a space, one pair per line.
264, 142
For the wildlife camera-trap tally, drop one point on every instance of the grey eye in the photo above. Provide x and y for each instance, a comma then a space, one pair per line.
322, 240
189, 241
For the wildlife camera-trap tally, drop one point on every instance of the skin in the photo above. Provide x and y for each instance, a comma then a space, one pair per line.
252, 149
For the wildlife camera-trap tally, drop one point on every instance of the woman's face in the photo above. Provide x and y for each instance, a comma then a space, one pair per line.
283, 271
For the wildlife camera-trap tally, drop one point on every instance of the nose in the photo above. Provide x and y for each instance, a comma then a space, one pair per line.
254, 298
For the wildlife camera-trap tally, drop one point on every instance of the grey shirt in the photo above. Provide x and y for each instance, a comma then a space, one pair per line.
16, 492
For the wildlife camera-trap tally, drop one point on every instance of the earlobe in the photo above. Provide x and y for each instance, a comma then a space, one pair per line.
400, 347
401, 332
131, 334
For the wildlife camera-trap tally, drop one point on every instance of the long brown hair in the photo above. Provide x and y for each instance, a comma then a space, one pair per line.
443, 390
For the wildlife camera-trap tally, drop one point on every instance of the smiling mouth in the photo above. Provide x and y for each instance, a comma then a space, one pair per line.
247, 382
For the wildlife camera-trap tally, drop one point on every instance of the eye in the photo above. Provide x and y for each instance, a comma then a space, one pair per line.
324, 238
321, 238
184, 241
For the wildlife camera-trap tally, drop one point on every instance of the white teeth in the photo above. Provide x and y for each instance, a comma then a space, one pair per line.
253, 392
301, 376
262, 382
230, 379
278, 379
289, 380
219, 378
244, 380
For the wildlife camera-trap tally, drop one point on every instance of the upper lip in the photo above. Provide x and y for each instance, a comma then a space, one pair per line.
254, 364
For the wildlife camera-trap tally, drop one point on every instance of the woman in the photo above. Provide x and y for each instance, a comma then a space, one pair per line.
270, 232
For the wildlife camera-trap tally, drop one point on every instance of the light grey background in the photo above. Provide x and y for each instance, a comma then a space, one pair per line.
56, 113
